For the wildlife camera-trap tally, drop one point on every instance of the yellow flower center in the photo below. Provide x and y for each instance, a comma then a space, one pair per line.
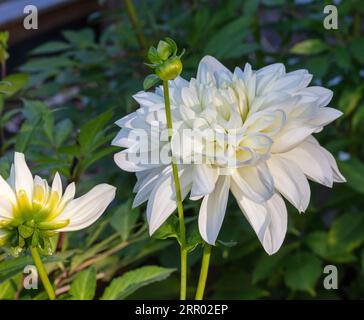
40, 211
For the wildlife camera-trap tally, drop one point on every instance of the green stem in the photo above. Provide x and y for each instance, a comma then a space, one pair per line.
257, 38
357, 25
42, 273
135, 24
2, 106
3, 70
204, 271
182, 227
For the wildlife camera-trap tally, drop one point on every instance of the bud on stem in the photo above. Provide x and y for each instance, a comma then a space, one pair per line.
165, 62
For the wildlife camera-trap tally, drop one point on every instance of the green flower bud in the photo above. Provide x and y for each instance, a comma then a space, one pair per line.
169, 69
164, 50
25, 231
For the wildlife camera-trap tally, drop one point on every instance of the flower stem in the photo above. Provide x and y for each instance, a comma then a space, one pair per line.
204, 271
182, 227
357, 24
42, 273
135, 24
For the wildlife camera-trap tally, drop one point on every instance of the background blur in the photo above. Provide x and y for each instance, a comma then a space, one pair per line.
76, 75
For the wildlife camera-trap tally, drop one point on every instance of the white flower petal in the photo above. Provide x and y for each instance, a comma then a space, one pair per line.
313, 162
148, 184
123, 139
325, 116
291, 82
122, 159
6, 191
274, 68
212, 210
204, 180
68, 195
255, 182
11, 179
162, 201
208, 67
85, 210
324, 95
291, 136
23, 176
148, 99
338, 177
290, 181
57, 185
6, 209
268, 220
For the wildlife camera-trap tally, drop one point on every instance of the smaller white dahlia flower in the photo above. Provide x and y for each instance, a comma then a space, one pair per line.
255, 139
31, 211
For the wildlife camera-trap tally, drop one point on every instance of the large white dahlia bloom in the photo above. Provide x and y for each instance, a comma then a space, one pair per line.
31, 211
255, 139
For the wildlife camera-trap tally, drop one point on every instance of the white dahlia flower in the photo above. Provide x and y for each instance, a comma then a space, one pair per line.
31, 211
255, 139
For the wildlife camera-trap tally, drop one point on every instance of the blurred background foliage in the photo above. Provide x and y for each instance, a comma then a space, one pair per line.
60, 108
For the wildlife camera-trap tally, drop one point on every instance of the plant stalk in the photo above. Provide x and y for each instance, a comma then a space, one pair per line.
177, 185
42, 273
3, 70
135, 24
204, 271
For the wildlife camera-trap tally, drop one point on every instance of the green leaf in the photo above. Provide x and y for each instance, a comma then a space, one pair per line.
169, 229
11, 267
24, 136
267, 265
309, 46
48, 126
62, 130
303, 269
319, 65
342, 58
131, 281
358, 117
8, 288
319, 244
51, 47
150, 81
357, 49
89, 131
353, 171
47, 64
34, 111
82, 39
95, 156
350, 99
153, 56
237, 30
346, 233
173, 45
193, 237
13, 83
84, 285
124, 218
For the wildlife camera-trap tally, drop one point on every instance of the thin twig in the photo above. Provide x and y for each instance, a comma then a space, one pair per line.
101, 256
135, 24
66, 288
